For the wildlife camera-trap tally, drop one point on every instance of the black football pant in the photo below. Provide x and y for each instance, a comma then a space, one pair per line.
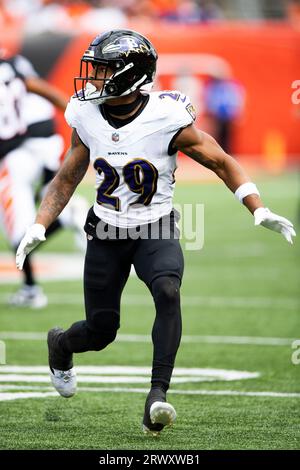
159, 263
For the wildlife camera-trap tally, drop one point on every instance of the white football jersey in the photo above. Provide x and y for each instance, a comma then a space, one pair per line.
12, 104
36, 109
134, 170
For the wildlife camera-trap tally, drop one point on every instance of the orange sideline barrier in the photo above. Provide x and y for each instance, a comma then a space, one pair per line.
262, 57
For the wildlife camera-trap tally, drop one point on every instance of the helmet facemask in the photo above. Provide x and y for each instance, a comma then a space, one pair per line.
111, 85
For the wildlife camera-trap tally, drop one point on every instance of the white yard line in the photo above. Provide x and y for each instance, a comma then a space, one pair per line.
4, 396
131, 338
19, 395
113, 370
286, 303
129, 374
198, 392
122, 374
111, 380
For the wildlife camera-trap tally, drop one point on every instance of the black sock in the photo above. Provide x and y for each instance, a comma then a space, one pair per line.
157, 392
28, 272
166, 332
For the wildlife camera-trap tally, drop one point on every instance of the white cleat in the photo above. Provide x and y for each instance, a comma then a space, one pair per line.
161, 414
64, 381
29, 296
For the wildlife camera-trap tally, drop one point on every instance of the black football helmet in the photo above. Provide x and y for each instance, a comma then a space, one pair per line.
130, 56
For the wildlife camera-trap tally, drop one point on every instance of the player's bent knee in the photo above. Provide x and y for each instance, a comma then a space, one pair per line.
99, 340
103, 319
166, 290
103, 325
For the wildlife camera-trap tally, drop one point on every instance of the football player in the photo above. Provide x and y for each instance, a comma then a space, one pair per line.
30, 150
131, 137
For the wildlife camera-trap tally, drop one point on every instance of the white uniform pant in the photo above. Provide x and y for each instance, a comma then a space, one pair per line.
20, 171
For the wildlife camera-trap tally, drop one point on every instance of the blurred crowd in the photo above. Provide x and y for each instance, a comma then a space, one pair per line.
71, 16
91, 15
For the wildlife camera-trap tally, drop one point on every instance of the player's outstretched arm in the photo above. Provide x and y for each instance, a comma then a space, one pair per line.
46, 90
58, 195
203, 148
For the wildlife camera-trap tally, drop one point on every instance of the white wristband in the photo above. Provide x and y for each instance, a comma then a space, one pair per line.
245, 190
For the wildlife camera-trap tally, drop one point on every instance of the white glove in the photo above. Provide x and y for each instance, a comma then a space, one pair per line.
263, 216
33, 236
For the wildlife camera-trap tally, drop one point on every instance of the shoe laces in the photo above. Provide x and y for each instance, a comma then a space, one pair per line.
65, 375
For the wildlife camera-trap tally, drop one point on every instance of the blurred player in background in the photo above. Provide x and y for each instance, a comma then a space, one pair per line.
132, 138
223, 102
30, 151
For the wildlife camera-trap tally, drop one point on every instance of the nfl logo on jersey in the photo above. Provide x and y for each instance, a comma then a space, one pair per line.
115, 137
